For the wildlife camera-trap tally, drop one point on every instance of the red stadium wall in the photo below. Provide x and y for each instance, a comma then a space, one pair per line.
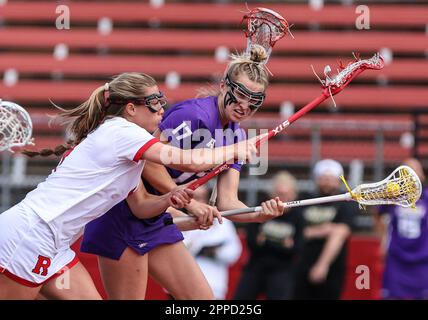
363, 250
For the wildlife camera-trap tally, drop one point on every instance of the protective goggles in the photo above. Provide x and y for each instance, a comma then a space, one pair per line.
241, 93
155, 102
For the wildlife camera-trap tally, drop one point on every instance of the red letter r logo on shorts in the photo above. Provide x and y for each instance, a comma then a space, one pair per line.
42, 266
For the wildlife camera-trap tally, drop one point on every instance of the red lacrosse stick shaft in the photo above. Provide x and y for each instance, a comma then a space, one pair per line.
217, 170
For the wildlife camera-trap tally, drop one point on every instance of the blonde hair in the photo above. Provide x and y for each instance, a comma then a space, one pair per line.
252, 66
106, 101
284, 178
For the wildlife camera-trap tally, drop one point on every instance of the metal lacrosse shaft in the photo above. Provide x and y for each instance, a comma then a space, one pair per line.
291, 204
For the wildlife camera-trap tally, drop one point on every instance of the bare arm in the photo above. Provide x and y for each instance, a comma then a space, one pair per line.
335, 241
340, 232
187, 160
187, 224
156, 174
227, 194
158, 177
197, 160
145, 205
318, 232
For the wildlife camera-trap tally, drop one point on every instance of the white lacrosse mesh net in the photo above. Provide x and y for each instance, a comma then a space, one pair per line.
375, 62
15, 126
264, 27
402, 187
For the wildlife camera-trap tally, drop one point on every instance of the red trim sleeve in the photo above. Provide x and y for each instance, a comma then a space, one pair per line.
27, 283
144, 148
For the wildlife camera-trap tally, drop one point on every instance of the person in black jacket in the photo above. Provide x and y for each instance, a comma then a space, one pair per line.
322, 266
273, 247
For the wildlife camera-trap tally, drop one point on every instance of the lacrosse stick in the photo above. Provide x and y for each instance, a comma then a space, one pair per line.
331, 86
264, 27
15, 126
402, 187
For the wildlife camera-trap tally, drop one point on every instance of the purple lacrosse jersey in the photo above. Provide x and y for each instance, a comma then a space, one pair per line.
406, 266
195, 123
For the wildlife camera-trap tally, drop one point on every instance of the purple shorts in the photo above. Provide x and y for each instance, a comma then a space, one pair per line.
113, 232
405, 279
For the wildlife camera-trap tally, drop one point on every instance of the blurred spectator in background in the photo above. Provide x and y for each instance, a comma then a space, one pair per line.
273, 247
322, 267
214, 249
405, 244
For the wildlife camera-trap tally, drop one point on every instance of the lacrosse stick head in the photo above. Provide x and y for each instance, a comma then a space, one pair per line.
402, 187
334, 84
15, 126
264, 27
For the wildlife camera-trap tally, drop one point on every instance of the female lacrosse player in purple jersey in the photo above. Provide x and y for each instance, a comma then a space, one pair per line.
406, 245
103, 168
130, 248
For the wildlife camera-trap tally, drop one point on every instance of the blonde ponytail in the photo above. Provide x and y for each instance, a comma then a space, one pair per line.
105, 101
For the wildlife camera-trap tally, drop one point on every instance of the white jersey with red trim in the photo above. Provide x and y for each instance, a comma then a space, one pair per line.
97, 174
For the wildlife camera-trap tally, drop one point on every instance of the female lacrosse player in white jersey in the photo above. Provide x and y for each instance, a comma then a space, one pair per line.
102, 168
129, 248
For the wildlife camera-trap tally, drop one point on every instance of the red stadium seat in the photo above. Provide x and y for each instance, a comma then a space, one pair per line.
186, 40
193, 66
213, 13
368, 98
344, 151
336, 125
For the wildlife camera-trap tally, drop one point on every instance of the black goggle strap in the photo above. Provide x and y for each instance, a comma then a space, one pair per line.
159, 97
256, 98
